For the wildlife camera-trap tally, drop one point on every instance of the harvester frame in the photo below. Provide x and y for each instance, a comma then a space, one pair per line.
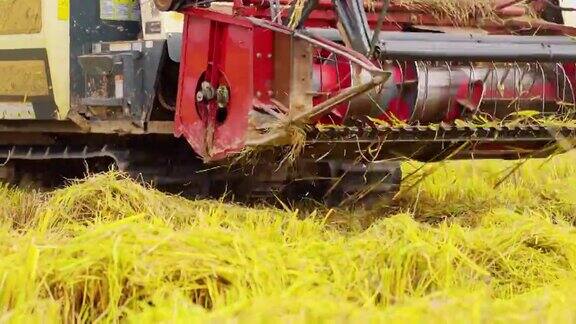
341, 91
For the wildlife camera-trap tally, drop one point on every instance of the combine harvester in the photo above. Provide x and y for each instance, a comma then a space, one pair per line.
318, 97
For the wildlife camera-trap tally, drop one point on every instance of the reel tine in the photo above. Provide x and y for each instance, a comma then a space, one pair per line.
557, 74
449, 87
543, 87
494, 76
427, 86
570, 86
517, 91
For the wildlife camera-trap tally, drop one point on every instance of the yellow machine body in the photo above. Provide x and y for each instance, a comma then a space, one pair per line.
34, 57
35, 52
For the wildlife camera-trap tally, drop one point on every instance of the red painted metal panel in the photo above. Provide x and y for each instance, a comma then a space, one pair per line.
216, 16
224, 57
193, 63
263, 66
237, 66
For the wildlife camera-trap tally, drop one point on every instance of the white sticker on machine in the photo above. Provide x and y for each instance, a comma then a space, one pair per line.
120, 10
17, 110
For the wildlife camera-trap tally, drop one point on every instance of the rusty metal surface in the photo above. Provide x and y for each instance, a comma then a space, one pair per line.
94, 127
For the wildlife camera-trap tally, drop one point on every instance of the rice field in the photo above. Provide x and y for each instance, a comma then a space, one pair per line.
476, 241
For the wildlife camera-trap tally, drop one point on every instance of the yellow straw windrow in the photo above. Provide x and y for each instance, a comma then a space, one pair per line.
456, 249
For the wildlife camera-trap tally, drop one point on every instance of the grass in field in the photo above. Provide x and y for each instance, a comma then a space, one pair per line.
472, 188
468, 243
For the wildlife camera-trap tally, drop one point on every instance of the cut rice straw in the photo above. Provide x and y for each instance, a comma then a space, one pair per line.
110, 249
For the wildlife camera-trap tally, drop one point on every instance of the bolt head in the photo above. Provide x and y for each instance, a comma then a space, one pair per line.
206, 86
207, 90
